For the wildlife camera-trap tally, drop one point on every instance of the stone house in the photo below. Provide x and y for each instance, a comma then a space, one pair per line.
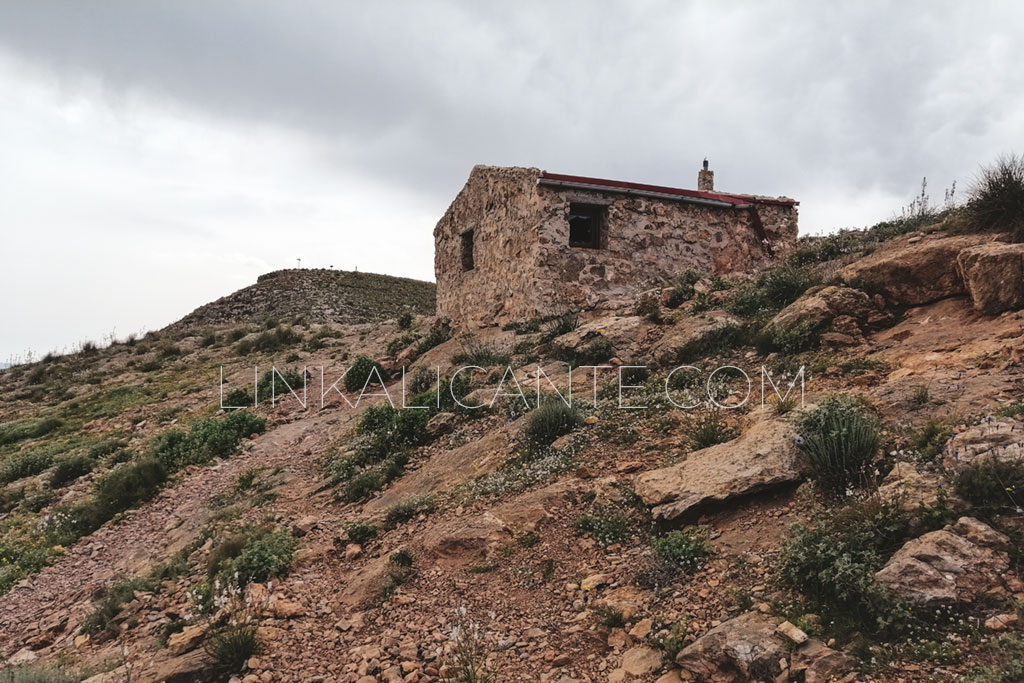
518, 243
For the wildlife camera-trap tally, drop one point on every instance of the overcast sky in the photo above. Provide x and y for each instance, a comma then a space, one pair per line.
158, 155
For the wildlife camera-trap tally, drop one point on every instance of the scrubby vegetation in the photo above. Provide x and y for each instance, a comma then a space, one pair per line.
840, 438
362, 372
548, 421
996, 199
685, 549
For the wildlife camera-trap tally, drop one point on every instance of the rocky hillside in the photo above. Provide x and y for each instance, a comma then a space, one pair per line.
319, 296
870, 533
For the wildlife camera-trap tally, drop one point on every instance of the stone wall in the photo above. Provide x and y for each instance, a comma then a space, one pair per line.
524, 266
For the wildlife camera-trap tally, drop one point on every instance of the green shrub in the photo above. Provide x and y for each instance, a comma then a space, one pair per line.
262, 558
608, 526
711, 429
596, 352
209, 339
840, 440
683, 288
683, 548
407, 509
127, 485
206, 440
482, 355
232, 646
401, 558
363, 485
398, 344
229, 547
405, 321
38, 501
25, 464
272, 340
113, 599
718, 341
561, 325
609, 616
361, 532
69, 469
992, 483
12, 432
774, 289
434, 337
36, 673
648, 307
996, 199
360, 373
548, 421
527, 326
931, 439
833, 564
790, 339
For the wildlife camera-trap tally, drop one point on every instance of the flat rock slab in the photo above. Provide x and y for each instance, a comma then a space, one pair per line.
994, 276
742, 649
955, 564
766, 455
999, 439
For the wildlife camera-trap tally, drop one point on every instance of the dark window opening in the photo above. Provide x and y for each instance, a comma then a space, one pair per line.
585, 224
467, 250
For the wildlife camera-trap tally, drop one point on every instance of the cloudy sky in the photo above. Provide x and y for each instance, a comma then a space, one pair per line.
157, 155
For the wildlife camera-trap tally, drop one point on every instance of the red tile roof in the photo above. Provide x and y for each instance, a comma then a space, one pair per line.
612, 185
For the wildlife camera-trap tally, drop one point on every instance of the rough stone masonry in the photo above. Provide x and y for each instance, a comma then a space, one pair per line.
518, 243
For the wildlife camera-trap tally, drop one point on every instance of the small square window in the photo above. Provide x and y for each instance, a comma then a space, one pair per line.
467, 251
585, 224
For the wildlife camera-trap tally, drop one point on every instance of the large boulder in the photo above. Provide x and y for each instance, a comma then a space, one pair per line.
821, 664
821, 307
955, 564
912, 274
994, 276
766, 455
742, 649
1002, 440
687, 330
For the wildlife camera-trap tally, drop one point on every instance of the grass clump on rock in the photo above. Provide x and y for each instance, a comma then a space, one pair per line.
840, 439
551, 419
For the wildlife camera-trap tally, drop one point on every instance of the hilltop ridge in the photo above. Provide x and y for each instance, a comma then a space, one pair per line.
319, 295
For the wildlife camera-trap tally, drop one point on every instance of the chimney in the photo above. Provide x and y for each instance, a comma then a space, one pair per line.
706, 179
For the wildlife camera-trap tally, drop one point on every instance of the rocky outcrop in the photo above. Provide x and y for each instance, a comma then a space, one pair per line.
910, 486
689, 330
742, 649
1003, 440
955, 564
994, 276
915, 273
842, 310
766, 455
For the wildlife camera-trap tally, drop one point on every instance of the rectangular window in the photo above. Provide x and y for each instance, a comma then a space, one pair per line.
586, 222
467, 251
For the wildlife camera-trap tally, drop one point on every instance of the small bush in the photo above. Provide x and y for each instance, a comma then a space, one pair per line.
436, 336
69, 469
12, 432
548, 421
272, 340
206, 440
262, 558
407, 509
232, 646
683, 288
931, 439
840, 440
401, 558
833, 565
776, 288
593, 353
788, 340
608, 526
398, 344
921, 395
128, 485
996, 199
719, 341
361, 532
609, 616
26, 464
405, 321
559, 326
361, 372
685, 548
209, 339
648, 307
992, 483
482, 355
711, 429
